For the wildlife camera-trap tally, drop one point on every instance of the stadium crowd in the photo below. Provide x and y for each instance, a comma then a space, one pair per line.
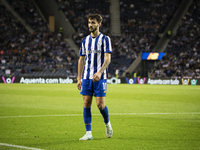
76, 12
183, 50
45, 53
28, 11
140, 31
40, 53
143, 21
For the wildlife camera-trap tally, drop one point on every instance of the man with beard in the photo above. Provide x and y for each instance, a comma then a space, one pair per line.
95, 56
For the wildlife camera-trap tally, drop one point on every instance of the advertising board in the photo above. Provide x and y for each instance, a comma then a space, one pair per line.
69, 80
38, 80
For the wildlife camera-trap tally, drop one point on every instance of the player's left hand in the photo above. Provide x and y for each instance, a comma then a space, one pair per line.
96, 76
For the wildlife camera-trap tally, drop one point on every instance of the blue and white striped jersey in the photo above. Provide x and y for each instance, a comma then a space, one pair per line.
93, 49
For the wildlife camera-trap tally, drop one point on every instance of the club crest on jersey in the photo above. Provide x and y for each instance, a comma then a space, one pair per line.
99, 43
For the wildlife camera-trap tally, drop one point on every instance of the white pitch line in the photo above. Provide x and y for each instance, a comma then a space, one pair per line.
33, 116
191, 113
18, 146
117, 114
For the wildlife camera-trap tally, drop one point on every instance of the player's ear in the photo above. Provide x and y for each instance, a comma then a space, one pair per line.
99, 24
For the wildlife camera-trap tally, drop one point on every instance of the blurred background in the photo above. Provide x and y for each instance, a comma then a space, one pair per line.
41, 38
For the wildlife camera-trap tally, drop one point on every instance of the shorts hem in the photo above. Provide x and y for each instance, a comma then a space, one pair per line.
99, 96
86, 94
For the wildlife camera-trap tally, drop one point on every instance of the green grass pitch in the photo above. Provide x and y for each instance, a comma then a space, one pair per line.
143, 117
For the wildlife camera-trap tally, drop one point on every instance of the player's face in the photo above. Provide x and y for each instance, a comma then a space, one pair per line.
93, 25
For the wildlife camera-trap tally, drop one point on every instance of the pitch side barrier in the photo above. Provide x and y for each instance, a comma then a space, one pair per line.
113, 80
164, 81
38, 80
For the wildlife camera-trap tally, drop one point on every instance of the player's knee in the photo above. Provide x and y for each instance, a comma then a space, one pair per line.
87, 104
100, 106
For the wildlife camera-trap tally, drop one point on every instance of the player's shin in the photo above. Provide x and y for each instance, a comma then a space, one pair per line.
87, 118
105, 114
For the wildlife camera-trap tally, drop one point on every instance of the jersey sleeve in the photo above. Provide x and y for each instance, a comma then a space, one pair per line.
82, 49
107, 45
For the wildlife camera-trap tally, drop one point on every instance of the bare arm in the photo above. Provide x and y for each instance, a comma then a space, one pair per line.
81, 63
107, 60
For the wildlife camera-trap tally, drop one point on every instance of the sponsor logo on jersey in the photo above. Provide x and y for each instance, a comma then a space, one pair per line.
93, 51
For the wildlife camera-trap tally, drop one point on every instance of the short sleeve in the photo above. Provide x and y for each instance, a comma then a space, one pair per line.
82, 49
107, 45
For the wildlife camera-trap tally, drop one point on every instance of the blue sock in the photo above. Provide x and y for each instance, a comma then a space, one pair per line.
105, 114
87, 118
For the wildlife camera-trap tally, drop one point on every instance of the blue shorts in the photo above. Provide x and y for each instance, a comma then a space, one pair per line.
98, 88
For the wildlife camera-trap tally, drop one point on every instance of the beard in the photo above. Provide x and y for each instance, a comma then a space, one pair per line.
92, 30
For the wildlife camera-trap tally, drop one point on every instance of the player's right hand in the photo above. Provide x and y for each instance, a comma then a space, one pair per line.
79, 84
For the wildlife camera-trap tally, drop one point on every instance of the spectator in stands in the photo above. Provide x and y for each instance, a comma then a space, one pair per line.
27, 52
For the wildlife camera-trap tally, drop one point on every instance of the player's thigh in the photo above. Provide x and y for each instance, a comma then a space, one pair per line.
87, 101
87, 87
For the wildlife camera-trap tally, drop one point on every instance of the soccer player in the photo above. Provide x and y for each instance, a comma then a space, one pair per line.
95, 56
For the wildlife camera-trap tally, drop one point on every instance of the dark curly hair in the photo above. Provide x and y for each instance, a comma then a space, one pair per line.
95, 16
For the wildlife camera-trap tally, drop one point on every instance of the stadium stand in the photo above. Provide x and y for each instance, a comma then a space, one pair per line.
76, 12
121, 57
29, 13
183, 50
80, 9
144, 20
44, 53
38, 54
140, 29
